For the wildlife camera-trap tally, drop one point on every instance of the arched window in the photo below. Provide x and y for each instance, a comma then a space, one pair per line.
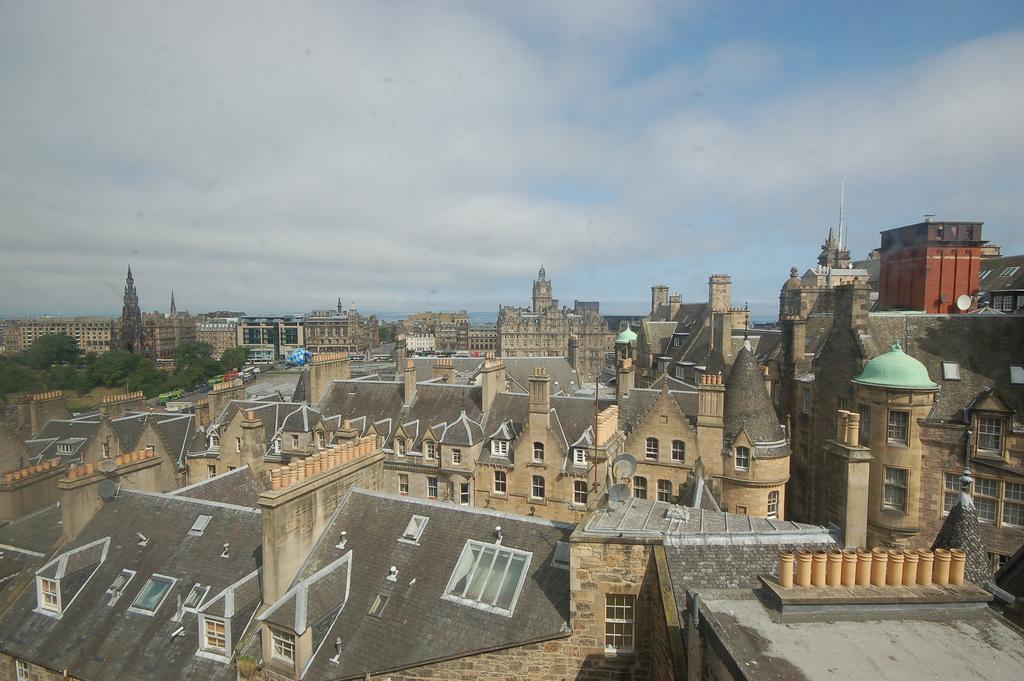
742, 458
538, 451
640, 487
579, 492
500, 482
651, 450
678, 451
537, 487
773, 504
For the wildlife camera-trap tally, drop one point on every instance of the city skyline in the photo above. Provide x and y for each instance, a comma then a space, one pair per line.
433, 156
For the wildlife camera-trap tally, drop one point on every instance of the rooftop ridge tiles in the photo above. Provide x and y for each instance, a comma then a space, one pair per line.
190, 500
461, 509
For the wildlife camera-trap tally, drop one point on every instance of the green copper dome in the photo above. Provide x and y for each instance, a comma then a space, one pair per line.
627, 336
896, 369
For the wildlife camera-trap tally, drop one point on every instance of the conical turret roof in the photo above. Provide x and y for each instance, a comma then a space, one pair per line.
961, 530
747, 404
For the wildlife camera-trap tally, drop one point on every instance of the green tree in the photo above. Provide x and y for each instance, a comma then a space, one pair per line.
113, 368
234, 358
15, 377
194, 364
53, 348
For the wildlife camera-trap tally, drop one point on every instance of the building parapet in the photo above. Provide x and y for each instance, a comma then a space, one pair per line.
44, 396
24, 474
126, 397
301, 470
92, 468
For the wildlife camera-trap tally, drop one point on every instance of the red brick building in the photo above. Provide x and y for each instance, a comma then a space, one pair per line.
927, 266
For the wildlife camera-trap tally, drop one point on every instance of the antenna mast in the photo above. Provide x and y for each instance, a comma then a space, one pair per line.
842, 196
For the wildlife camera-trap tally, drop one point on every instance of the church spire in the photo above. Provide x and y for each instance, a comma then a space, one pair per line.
174, 309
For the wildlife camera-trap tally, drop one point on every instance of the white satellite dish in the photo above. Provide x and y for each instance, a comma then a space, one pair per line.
623, 467
963, 303
106, 465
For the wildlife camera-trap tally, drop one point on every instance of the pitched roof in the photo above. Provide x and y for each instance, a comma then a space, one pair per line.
239, 487
995, 280
961, 530
418, 625
749, 409
97, 636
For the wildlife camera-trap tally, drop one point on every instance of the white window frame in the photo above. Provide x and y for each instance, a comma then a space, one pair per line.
196, 589
892, 428
238, 444
499, 448
295, 441
627, 607
896, 486
640, 487
403, 484
498, 551
579, 456
664, 491
950, 492
951, 371
414, 530
538, 447
534, 487
430, 448
457, 456
680, 451
22, 670
282, 645
50, 601
431, 485
773, 504
576, 491
742, 461
502, 482
465, 494
651, 447
983, 499
1013, 500
205, 622
150, 613
990, 428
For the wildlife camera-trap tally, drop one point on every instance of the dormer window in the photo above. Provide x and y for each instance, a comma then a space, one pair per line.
277, 445
400, 446
48, 594
214, 441
538, 452
489, 577
321, 440
282, 645
64, 448
215, 639
499, 448
457, 457
990, 434
579, 456
431, 449
295, 441
742, 458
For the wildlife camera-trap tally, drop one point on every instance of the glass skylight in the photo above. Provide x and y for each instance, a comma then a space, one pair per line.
415, 528
199, 526
1016, 374
951, 371
561, 555
195, 597
489, 577
153, 594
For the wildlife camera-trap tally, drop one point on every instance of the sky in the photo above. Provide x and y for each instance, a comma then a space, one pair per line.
272, 157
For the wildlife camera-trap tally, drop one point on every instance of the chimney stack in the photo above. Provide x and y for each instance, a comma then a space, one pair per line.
410, 381
492, 380
659, 297
624, 380
540, 400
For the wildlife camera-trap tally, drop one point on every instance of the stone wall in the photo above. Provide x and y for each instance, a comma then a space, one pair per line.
8, 671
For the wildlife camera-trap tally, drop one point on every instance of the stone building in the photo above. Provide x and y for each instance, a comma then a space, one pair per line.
450, 330
165, 333
92, 334
1002, 283
220, 333
340, 330
269, 339
546, 330
482, 339
129, 333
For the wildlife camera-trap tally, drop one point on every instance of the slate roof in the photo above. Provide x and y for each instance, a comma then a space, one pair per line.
749, 409
239, 487
961, 530
984, 345
27, 542
418, 626
639, 401
96, 640
462, 431
994, 281
1011, 576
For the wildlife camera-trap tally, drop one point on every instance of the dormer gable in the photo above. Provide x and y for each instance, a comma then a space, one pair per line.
60, 581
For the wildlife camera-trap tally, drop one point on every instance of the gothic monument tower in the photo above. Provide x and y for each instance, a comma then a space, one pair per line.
130, 329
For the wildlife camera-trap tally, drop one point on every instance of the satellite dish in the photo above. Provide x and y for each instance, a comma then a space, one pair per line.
623, 467
963, 303
107, 465
107, 489
619, 492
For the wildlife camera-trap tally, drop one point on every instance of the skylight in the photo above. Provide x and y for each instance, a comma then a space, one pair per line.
1009, 272
415, 528
561, 555
199, 526
153, 594
195, 597
379, 604
951, 371
984, 273
1016, 374
119, 584
489, 577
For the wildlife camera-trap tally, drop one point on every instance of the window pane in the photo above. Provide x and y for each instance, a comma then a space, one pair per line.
476, 583
511, 583
986, 487
494, 580
152, 593
462, 570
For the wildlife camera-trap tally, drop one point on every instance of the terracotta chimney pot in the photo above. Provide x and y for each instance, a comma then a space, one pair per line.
925, 559
818, 561
89, 468
894, 574
940, 575
879, 561
834, 568
300, 471
275, 479
803, 568
786, 559
910, 568
848, 574
957, 567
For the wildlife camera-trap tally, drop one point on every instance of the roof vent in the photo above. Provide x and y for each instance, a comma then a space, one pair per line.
342, 541
497, 534
392, 574
337, 650
226, 553
143, 539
